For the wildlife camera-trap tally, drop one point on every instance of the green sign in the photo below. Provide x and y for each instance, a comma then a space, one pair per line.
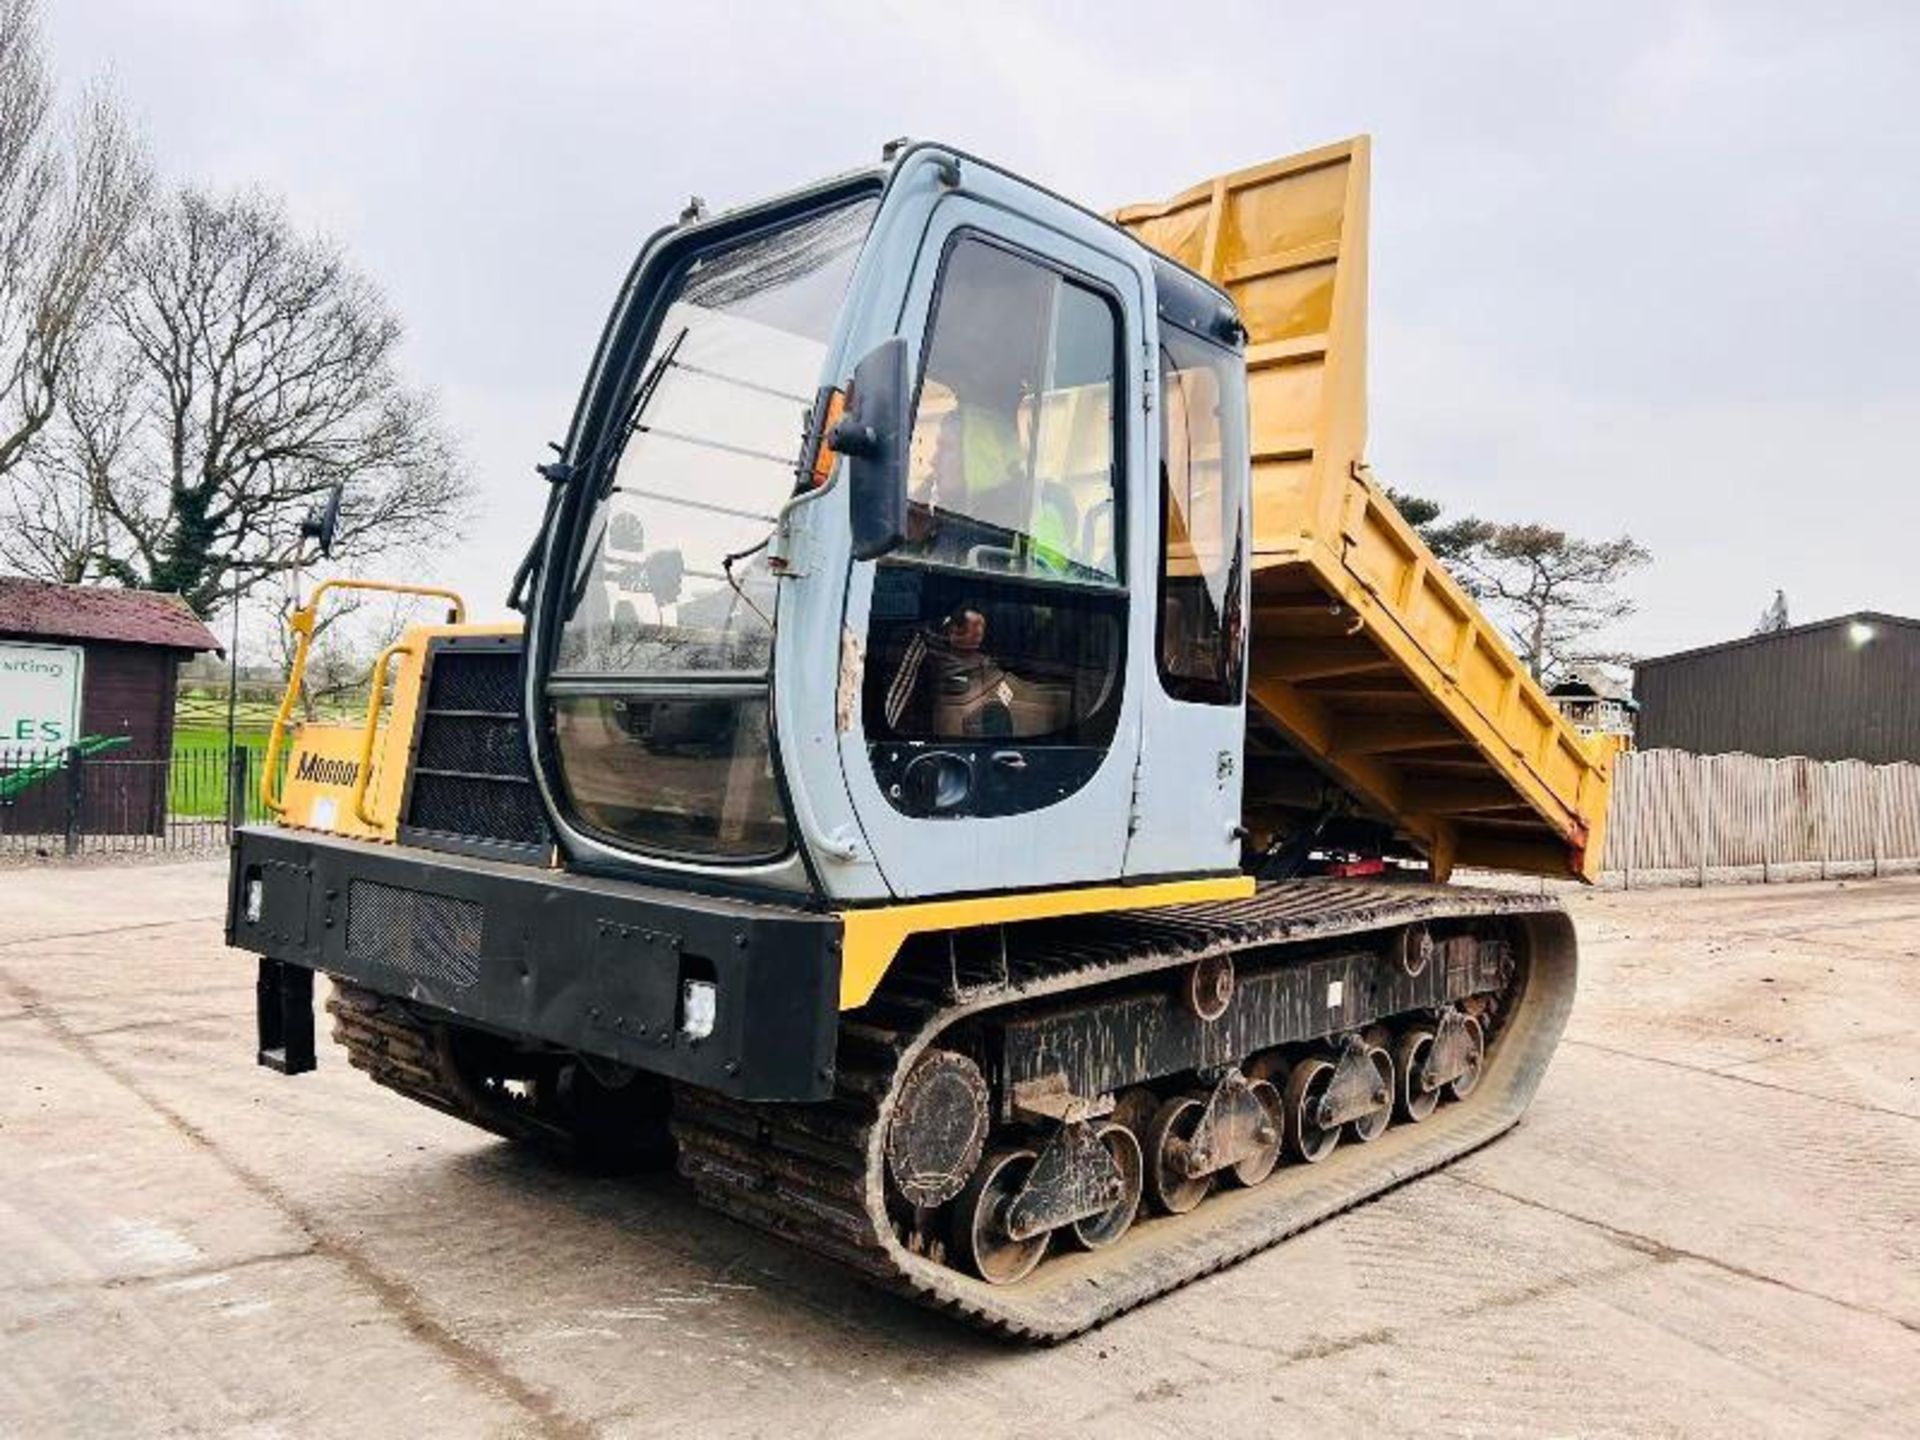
39, 698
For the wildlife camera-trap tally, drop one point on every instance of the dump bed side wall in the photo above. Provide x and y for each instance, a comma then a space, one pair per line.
1288, 241
1367, 655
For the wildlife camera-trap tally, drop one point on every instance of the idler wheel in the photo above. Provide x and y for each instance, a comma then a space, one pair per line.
1096, 1232
1306, 1088
938, 1129
1372, 1125
980, 1221
1259, 1165
1464, 1084
1168, 1153
1417, 1099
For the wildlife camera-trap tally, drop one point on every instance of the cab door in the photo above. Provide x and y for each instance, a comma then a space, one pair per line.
994, 738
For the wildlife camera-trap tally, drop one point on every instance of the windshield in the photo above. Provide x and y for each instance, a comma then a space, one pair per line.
672, 577
659, 690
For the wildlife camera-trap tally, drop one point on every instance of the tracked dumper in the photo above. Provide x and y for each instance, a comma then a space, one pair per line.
995, 840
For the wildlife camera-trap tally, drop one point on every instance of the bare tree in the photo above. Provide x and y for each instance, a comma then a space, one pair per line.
241, 371
1553, 590
71, 187
52, 525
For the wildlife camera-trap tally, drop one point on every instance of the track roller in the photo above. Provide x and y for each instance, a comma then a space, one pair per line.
1372, 1125
1417, 1096
1175, 1189
1258, 1165
1096, 1232
1464, 1083
1308, 1140
980, 1220
1457, 1055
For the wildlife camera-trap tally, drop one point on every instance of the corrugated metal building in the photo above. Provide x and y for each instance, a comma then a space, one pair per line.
1842, 689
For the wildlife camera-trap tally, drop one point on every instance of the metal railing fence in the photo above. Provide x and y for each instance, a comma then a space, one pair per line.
93, 801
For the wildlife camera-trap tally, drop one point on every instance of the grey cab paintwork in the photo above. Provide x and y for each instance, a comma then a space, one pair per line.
1166, 799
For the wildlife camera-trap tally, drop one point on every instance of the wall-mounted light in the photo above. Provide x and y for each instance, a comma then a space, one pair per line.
1859, 633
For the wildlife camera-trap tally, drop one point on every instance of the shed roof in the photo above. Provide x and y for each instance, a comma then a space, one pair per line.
48, 611
1767, 637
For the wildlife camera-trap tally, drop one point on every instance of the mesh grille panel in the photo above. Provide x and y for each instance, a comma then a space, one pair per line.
482, 809
434, 937
472, 776
478, 744
476, 680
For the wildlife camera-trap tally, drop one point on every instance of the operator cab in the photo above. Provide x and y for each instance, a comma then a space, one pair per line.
900, 550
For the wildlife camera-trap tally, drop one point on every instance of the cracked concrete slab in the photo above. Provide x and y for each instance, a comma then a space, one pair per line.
1706, 1226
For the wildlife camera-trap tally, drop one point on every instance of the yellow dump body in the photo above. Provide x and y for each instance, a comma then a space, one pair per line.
1368, 658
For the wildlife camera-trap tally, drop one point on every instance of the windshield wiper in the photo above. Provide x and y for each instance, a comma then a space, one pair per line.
642, 396
558, 477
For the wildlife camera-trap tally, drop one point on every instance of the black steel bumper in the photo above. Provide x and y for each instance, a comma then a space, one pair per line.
591, 965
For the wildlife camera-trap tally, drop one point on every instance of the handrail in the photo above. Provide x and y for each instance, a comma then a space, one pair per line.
363, 773
301, 623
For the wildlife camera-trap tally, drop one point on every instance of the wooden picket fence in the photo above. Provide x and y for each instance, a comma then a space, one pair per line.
1680, 818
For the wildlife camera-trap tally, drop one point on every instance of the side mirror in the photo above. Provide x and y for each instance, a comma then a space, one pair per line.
873, 436
323, 521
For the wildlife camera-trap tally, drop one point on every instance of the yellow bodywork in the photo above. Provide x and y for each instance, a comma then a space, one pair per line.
1367, 656
350, 779
323, 763
327, 760
872, 937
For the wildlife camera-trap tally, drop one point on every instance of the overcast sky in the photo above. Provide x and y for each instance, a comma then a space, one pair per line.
1652, 268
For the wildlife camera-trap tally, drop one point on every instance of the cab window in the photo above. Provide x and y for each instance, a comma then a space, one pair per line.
1013, 434
1203, 471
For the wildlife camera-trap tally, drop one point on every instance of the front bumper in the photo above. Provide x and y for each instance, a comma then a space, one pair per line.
590, 965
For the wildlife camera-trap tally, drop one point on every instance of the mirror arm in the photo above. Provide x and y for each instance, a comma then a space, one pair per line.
849, 437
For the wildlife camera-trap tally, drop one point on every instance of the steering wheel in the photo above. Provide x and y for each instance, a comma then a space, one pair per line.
1003, 558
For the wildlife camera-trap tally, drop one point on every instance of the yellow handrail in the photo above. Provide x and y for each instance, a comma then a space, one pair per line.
364, 773
301, 623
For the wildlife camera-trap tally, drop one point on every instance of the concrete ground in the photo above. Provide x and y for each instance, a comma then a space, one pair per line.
1708, 1225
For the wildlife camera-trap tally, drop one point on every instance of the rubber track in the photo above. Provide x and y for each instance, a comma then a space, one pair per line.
398, 1049
814, 1174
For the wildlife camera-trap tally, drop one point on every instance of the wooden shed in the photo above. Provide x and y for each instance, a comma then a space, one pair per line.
128, 644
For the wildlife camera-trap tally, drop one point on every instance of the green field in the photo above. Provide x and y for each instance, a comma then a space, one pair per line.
207, 710
197, 780
197, 785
